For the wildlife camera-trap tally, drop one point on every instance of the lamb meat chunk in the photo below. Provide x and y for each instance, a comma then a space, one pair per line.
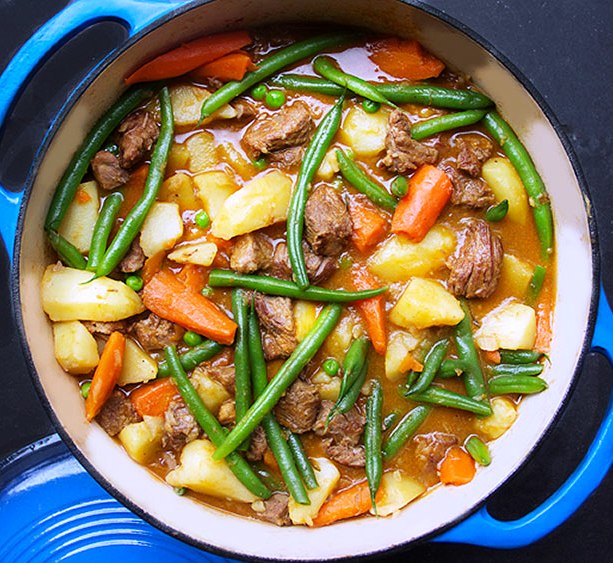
344, 428
319, 268
297, 409
469, 192
327, 222
154, 332
257, 445
251, 252
276, 316
244, 110
180, 426
108, 171
430, 450
288, 128
345, 454
134, 260
476, 265
403, 153
227, 413
474, 151
276, 510
137, 134
104, 329
117, 413
287, 158
225, 375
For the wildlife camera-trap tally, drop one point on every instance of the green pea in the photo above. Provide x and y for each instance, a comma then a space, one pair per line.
259, 92
202, 219
275, 98
192, 338
331, 366
179, 490
134, 282
400, 186
369, 106
497, 212
112, 148
345, 262
260, 163
85, 389
207, 291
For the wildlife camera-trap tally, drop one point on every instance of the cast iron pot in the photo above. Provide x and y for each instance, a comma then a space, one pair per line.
155, 26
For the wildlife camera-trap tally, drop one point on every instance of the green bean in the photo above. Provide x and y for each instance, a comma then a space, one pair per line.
268, 478
361, 182
215, 431
523, 384
68, 253
346, 402
389, 419
287, 374
275, 286
478, 450
311, 162
102, 229
536, 283
497, 212
412, 378
432, 363
327, 68
533, 183
446, 398
272, 429
442, 123
132, 223
520, 356
373, 439
190, 359
473, 376
303, 83
451, 367
517, 369
242, 394
270, 65
302, 461
407, 426
79, 164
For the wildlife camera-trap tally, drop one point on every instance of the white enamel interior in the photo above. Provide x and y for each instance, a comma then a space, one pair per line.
249, 538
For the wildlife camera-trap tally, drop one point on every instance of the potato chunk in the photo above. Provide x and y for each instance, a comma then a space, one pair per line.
186, 103
505, 182
260, 203
78, 224
75, 348
179, 189
199, 472
398, 491
515, 276
399, 347
142, 440
502, 418
327, 386
138, 366
213, 189
329, 165
305, 315
162, 228
425, 303
211, 392
72, 295
199, 253
398, 259
511, 326
202, 152
365, 132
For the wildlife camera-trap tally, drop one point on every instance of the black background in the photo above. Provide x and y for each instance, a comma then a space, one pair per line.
565, 47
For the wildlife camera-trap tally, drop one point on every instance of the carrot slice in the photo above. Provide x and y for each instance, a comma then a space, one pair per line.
458, 467
229, 67
152, 265
369, 226
189, 56
543, 327
410, 363
168, 298
372, 310
350, 502
429, 192
152, 399
492, 356
82, 196
405, 58
193, 277
106, 375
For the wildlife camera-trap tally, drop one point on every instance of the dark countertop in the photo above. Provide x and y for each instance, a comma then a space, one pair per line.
565, 48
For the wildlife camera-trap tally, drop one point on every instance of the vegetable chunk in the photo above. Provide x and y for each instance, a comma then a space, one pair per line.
505, 182
75, 348
186, 103
213, 189
511, 326
198, 253
502, 418
364, 132
78, 224
162, 228
397, 490
142, 440
138, 366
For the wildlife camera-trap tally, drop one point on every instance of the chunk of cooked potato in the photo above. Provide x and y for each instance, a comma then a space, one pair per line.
305, 316
346, 330
212, 393
137, 366
162, 228
329, 165
229, 154
260, 203
186, 102
213, 189
511, 326
400, 345
515, 276
143, 440
179, 189
199, 253
398, 490
78, 224
505, 182
75, 348
202, 152
502, 418
328, 387
73, 295
364, 132
425, 303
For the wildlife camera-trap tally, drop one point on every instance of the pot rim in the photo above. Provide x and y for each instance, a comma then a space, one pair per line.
15, 291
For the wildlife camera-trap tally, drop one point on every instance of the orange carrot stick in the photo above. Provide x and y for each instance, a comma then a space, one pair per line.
189, 56
405, 58
372, 310
369, 226
152, 266
106, 375
350, 502
229, 67
492, 356
410, 363
458, 468
543, 327
193, 277
168, 298
429, 192
152, 399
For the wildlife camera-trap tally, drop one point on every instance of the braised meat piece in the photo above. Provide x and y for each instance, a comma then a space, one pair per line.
225, 375
287, 158
327, 222
104, 329
276, 316
344, 453
297, 409
180, 426
227, 413
154, 332
430, 450
244, 110
251, 252
319, 268
117, 413
474, 151
476, 265
403, 153
134, 260
108, 171
288, 128
257, 445
137, 134
275, 510
469, 192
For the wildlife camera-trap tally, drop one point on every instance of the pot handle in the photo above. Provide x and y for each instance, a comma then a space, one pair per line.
484, 530
77, 15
